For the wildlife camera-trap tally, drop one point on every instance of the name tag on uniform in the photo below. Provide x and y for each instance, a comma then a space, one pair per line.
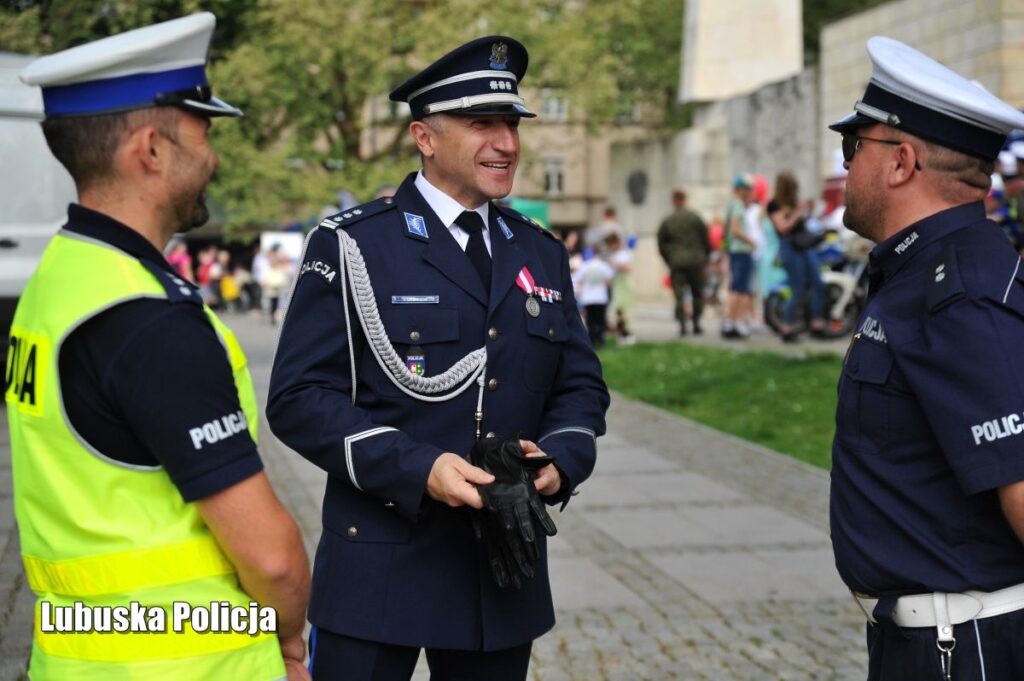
415, 300
504, 228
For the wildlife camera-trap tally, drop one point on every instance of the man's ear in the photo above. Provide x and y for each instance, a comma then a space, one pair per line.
145, 149
424, 136
904, 164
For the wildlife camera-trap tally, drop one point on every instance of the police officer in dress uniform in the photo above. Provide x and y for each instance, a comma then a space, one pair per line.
132, 414
927, 505
418, 322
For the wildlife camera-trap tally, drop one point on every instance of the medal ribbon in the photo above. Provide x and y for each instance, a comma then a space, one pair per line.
524, 280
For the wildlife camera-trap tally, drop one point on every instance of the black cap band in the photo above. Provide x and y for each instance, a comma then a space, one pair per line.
935, 126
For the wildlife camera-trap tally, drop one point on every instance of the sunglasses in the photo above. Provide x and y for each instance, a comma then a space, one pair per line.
851, 143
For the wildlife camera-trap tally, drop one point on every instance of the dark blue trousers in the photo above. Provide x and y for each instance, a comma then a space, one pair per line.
990, 649
333, 657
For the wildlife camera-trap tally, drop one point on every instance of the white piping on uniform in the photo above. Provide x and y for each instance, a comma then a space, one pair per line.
350, 440
462, 77
1012, 277
473, 100
981, 657
570, 429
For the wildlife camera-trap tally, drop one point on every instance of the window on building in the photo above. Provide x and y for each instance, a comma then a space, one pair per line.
552, 107
554, 176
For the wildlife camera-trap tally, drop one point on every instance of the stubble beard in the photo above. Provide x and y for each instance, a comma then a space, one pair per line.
864, 214
190, 209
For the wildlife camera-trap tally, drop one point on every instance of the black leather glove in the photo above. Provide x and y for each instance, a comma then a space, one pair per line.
511, 504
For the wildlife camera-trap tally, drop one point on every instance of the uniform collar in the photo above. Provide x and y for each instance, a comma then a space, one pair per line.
892, 254
445, 207
97, 226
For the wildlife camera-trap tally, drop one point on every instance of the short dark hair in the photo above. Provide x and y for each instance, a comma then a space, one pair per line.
85, 145
678, 196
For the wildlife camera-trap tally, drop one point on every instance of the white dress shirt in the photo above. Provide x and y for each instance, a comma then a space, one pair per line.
448, 209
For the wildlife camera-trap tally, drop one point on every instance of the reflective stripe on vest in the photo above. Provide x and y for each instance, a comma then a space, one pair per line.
127, 571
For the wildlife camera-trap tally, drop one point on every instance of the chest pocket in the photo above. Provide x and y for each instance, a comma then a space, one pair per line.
421, 326
547, 334
866, 405
433, 330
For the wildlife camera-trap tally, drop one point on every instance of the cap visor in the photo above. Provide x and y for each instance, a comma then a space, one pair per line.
214, 107
851, 123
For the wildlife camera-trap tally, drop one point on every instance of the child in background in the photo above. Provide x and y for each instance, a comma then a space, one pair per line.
591, 283
621, 260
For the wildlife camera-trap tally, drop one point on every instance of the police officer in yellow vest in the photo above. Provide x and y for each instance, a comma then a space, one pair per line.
149, 532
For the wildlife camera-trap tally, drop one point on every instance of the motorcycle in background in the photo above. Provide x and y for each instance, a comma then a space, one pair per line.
844, 262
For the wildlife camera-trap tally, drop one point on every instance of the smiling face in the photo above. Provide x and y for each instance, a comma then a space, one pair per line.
473, 159
194, 164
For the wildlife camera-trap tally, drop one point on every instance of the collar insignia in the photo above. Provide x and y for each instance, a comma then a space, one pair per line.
416, 226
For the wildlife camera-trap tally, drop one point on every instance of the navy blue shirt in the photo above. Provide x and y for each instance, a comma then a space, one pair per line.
930, 421
137, 378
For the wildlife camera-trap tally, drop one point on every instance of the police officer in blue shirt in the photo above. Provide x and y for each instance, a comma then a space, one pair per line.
927, 506
419, 323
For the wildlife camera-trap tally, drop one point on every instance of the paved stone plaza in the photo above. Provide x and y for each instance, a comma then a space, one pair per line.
690, 554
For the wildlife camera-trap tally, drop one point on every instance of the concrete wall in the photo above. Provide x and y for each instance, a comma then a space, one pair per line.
764, 132
980, 39
733, 47
783, 125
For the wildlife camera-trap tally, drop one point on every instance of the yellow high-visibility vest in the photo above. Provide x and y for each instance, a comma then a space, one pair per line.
105, 533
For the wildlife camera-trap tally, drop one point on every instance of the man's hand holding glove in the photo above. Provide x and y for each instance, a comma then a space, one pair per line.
511, 503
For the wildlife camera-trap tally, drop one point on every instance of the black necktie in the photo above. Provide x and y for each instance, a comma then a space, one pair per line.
476, 249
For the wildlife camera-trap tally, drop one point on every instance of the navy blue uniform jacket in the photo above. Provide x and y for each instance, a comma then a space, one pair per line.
394, 565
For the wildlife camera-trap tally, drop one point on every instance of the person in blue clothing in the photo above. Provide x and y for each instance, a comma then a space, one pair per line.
927, 501
420, 323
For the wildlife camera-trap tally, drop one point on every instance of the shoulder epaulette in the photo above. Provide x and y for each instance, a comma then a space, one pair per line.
178, 290
516, 215
945, 284
347, 218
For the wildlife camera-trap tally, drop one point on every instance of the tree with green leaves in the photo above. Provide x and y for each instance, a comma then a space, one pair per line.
312, 77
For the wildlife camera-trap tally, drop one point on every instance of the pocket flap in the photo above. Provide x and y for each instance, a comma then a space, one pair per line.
869, 362
419, 326
360, 518
549, 324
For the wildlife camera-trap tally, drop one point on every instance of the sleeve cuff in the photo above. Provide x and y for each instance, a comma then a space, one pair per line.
219, 479
977, 480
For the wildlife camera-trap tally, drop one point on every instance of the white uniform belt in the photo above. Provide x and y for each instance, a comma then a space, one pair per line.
919, 610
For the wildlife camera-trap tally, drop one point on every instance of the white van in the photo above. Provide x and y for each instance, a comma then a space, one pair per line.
35, 189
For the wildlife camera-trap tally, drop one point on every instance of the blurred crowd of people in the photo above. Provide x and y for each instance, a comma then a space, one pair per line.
769, 238
601, 264
255, 280
1005, 201
722, 264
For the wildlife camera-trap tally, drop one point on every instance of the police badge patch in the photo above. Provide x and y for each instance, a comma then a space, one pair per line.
499, 56
415, 225
416, 362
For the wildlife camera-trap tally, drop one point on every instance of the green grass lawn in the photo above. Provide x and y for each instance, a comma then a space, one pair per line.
785, 403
